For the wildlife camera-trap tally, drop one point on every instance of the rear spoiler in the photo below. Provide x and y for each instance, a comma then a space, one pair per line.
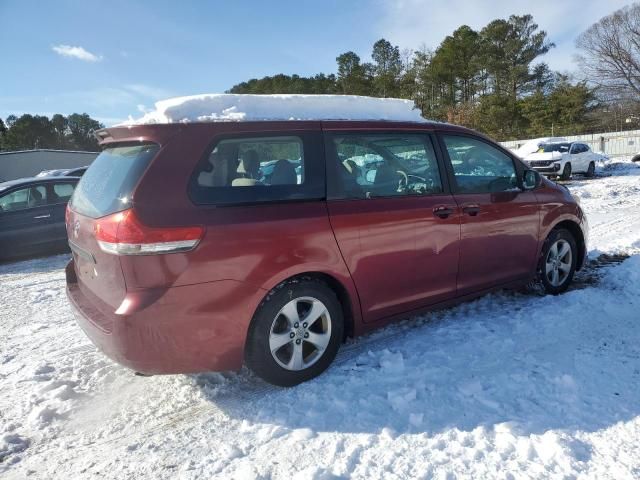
158, 134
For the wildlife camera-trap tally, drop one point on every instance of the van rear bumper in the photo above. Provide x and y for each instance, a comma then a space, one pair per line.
186, 329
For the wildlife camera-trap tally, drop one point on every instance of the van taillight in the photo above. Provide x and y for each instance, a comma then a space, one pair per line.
123, 234
67, 214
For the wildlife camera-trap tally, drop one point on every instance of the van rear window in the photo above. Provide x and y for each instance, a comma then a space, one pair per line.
107, 185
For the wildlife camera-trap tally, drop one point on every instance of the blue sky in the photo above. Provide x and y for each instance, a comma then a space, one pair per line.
128, 54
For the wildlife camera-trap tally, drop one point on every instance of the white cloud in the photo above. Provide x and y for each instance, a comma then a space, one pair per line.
76, 52
411, 23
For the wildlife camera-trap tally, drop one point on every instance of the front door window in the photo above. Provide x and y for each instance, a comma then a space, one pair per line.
386, 165
478, 167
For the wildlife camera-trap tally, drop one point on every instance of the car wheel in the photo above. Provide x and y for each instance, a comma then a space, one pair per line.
591, 171
566, 172
295, 333
558, 261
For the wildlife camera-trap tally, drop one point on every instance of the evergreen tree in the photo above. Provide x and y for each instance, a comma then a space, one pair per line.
318, 84
564, 110
36, 132
81, 128
352, 76
498, 116
3, 130
387, 67
456, 63
29, 132
509, 48
60, 127
426, 92
11, 119
491, 80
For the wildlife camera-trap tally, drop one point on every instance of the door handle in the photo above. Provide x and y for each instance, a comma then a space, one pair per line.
43, 216
471, 210
442, 211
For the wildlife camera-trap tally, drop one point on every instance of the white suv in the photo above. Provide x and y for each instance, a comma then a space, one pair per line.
562, 159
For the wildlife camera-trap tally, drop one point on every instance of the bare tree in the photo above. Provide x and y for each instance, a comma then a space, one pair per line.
611, 53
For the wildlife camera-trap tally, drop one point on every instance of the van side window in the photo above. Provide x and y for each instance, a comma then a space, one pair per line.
248, 162
385, 165
478, 167
253, 169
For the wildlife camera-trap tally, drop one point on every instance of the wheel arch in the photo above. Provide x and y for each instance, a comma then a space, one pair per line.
575, 230
345, 298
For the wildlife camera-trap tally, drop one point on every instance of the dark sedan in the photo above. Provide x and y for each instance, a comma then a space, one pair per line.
32, 215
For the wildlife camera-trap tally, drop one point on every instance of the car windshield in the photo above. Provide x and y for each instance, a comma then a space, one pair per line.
555, 147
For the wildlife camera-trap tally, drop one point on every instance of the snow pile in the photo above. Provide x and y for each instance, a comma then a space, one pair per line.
620, 166
222, 107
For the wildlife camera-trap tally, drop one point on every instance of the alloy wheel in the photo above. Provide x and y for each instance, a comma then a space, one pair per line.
300, 333
558, 263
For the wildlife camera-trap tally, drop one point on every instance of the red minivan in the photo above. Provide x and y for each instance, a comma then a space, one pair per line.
206, 246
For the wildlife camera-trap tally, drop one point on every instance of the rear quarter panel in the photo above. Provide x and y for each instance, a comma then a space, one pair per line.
257, 245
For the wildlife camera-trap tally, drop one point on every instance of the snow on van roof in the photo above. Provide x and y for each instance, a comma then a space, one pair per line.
224, 107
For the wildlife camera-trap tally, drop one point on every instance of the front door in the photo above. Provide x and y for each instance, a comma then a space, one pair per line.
500, 221
397, 229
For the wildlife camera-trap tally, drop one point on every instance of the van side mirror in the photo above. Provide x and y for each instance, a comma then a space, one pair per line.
530, 180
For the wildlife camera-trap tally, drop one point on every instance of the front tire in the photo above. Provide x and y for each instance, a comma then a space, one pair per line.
566, 172
591, 171
558, 261
295, 333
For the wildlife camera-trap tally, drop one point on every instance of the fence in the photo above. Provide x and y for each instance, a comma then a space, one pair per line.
613, 144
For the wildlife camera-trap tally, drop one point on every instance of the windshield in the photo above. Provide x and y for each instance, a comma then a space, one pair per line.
555, 147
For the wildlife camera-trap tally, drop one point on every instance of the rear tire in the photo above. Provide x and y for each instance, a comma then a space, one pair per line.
591, 171
566, 172
295, 333
558, 261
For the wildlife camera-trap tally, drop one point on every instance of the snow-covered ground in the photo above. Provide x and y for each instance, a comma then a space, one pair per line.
513, 385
